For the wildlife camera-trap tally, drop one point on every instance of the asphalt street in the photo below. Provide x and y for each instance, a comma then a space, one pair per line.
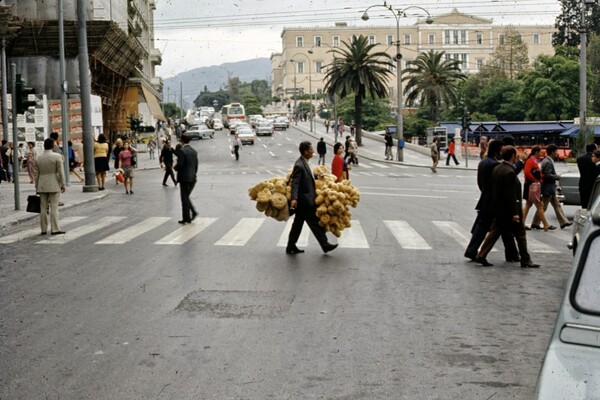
131, 305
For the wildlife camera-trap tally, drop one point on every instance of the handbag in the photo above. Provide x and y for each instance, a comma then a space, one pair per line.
534, 193
33, 204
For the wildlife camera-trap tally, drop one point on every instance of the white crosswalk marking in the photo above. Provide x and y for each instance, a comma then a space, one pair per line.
379, 165
406, 236
134, 231
16, 237
241, 232
353, 237
535, 246
81, 231
187, 231
302, 240
455, 231
361, 165
362, 173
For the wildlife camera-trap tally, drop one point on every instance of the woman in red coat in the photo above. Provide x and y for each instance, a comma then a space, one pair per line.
339, 168
533, 176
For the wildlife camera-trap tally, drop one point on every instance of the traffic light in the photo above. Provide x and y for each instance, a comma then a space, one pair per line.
23, 93
466, 120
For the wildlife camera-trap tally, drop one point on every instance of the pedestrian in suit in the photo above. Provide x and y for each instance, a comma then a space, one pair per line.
587, 174
322, 150
507, 208
303, 200
166, 161
49, 184
549, 188
187, 167
485, 213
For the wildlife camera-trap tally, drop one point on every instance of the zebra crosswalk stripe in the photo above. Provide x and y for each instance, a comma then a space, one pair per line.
302, 240
406, 236
379, 165
80, 231
241, 232
535, 246
134, 231
187, 231
16, 237
353, 237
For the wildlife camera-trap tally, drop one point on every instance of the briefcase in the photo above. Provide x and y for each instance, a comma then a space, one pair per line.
33, 204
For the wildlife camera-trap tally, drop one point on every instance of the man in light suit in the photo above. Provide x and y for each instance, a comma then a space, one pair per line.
187, 167
507, 210
303, 200
549, 188
49, 184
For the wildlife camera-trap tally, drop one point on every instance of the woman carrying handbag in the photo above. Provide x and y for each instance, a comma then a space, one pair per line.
532, 189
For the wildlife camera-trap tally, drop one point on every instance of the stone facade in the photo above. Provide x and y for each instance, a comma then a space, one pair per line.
472, 40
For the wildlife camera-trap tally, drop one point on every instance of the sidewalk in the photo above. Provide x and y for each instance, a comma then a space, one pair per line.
73, 196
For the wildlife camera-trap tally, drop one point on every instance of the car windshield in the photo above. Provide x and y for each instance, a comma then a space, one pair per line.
587, 292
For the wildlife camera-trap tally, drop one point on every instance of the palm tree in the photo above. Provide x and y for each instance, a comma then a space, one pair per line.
355, 70
432, 81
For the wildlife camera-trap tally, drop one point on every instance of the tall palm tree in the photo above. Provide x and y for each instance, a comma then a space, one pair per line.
357, 70
432, 81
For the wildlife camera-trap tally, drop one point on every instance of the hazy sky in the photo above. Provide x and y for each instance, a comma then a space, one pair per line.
198, 33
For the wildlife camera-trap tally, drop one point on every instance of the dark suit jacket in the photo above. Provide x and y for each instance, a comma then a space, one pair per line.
187, 164
587, 176
321, 147
506, 189
166, 155
303, 184
550, 177
484, 181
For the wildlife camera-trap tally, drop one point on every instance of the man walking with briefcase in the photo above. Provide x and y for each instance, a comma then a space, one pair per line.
49, 184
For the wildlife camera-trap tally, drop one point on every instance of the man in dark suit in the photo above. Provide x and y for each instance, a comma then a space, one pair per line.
166, 161
485, 214
303, 200
587, 174
507, 209
187, 167
549, 188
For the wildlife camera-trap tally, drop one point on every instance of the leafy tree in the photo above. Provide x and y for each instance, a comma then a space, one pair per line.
252, 105
233, 89
358, 70
594, 73
432, 81
206, 99
171, 110
304, 107
568, 23
511, 56
376, 112
551, 89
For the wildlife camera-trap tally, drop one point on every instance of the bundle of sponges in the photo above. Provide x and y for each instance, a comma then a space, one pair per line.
272, 197
333, 200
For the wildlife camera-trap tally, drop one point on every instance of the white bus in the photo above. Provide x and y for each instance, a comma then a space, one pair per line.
232, 111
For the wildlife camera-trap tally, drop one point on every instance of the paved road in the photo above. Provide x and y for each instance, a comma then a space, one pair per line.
131, 305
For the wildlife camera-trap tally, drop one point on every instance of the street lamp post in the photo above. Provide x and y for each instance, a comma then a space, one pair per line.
309, 84
397, 14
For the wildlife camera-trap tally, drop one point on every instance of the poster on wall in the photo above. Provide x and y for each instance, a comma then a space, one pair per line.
32, 125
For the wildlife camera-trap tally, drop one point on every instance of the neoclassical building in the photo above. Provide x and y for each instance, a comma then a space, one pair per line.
468, 38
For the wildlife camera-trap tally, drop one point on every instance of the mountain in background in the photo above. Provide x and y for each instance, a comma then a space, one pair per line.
214, 78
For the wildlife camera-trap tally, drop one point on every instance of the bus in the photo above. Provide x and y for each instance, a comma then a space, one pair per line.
232, 111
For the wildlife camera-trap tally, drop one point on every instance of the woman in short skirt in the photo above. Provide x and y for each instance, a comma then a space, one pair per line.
126, 164
101, 160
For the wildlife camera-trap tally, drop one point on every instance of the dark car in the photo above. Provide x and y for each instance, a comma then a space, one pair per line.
568, 189
582, 217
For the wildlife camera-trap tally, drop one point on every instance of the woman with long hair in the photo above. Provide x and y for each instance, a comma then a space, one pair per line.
101, 160
533, 177
339, 167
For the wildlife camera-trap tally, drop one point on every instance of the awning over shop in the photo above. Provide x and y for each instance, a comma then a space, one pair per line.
153, 104
574, 131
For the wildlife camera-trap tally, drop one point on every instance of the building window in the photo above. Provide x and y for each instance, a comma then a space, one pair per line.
479, 64
300, 67
391, 91
407, 39
391, 67
335, 41
319, 91
371, 39
479, 38
389, 40
463, 61
318, 66
536, 38
299, 41
318, 40
463, 37
455, 37
501, 38
432, 38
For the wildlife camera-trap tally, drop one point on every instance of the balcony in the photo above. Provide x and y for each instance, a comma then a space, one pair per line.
157, 83
155, 57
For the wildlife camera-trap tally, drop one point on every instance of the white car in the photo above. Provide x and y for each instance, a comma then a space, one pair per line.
264, 128
281, 123
246, 135
200, 132
217, 124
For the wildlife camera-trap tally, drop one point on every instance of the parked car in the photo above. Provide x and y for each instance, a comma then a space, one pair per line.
281, 123
264, 128
568, 189
583, 217
217, 124
246, 135
233, 124
200, 132
572, 360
